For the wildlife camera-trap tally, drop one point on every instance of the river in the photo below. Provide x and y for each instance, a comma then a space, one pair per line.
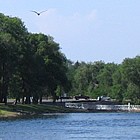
73, 126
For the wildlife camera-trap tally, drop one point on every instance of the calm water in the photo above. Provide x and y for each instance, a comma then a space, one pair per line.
73, 126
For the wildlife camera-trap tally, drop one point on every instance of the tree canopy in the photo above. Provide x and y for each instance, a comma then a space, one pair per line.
119, 81
30, 64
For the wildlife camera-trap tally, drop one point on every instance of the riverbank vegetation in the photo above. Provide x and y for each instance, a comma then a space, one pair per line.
32, 65
11, 110
118, 81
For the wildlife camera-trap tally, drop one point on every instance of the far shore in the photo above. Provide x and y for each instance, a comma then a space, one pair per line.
11, 110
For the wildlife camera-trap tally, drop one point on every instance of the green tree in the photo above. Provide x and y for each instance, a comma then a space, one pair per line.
85, 77
50, 63
118, 85
7, 44
105, 78
12, 34
131, 72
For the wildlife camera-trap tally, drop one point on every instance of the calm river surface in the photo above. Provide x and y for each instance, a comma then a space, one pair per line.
73, 126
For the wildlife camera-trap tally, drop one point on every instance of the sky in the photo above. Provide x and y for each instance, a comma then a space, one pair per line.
87, 30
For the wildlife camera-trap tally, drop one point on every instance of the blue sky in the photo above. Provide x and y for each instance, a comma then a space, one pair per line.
87, 30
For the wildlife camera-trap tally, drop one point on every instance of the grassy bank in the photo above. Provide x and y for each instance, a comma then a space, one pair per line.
22, 109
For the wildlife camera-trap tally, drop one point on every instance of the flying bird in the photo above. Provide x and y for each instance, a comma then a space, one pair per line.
38, 13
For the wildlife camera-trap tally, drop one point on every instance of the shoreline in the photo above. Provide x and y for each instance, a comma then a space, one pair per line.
19, 110
16, 115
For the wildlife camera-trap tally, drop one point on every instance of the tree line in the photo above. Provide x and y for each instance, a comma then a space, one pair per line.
118, 81
32, 65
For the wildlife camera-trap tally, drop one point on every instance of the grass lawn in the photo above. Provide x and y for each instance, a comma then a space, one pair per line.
10, 108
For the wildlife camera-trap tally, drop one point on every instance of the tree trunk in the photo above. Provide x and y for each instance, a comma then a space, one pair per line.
27, 101
54, 98
23, 100
35, 100
40, 100
5, 100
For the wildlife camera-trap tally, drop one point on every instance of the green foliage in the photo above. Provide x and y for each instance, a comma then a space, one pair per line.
120, 82
96, 92
84, 76
132, 92
117, 92
12, 41
30, 64
105, 78
131, 69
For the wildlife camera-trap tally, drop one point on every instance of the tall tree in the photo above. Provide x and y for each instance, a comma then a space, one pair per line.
50, 63
131, 71
12, 36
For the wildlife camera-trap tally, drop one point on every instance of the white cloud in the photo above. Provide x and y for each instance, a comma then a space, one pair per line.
75, 30
52, 22
92, 15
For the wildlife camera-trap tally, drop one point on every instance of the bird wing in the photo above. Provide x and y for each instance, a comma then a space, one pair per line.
43, 11
35, 12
